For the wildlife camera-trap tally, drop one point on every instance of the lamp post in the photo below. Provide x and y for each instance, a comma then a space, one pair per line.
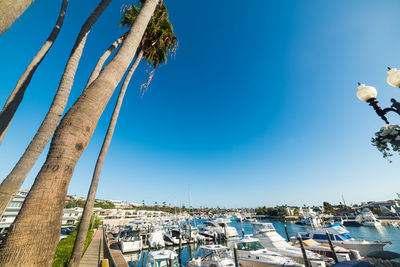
368, 94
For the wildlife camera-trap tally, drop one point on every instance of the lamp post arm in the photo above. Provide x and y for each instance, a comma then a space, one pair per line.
395, 106
381, 113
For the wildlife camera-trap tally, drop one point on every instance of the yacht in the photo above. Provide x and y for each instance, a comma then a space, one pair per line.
227, 230
308, 217
239, 218
273, 241
192, 233
162, 258
172, 236
130, 241
210, 229
342, 238
367, 218
325, 250
156, 239
213, 256
347, 222
251, 253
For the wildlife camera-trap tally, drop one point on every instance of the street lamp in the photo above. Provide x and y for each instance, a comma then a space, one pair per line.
368, 94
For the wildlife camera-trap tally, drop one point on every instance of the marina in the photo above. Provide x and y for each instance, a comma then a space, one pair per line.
190, 254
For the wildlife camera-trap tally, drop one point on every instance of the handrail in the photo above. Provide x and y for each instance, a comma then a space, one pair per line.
106, 250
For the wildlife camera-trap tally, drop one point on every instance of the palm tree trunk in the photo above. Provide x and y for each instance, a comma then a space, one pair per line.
15, 98
17, 176
10, 11
103, 58
87, 212
34, 235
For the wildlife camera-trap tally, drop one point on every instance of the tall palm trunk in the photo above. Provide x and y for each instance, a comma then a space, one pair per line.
103, 58
34, 235
15, 98
15, 179
10, 11
87, 212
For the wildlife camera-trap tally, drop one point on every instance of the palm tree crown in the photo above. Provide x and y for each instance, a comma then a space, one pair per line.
159, 39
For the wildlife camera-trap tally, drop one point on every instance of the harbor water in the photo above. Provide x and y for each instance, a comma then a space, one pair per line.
383, 233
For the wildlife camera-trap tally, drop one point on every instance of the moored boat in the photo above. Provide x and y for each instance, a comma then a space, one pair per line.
342, 238
162, 258
212, 256
272, 241
252, 254
130, 241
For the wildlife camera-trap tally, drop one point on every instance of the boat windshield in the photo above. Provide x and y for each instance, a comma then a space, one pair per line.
345, 236
250, 246
130, 235
221, 253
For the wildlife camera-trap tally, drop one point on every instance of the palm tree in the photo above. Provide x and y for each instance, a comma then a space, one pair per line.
159, 39
17, 176
88, 209
162, 43
10, 11
15, 98
34, 235
103, 58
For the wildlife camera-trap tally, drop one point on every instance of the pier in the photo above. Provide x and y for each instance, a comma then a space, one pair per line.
94, 252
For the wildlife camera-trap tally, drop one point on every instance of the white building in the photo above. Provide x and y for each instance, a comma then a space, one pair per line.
12, 210
120, 203
71, 216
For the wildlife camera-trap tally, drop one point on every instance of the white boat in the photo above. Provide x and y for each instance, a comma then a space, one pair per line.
210, 229
342, 238
272, 241
130, 241
239, 218
213, 256
192, 233
251, 253
367, 218
227, 230
325, 250
393, 224
156, 239
308, 217
162, 258
172, 237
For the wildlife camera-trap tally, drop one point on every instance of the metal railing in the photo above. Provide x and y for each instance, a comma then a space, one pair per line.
106, 250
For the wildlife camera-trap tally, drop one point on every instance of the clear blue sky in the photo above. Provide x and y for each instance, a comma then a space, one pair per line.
257, 108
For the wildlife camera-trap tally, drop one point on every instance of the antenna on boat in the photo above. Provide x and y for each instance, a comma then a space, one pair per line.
344, 202
190, 198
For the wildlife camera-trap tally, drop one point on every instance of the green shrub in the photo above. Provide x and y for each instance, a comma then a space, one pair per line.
65, 246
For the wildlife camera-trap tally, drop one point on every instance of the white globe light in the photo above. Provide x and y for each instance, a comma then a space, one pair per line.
366, 92
393, 77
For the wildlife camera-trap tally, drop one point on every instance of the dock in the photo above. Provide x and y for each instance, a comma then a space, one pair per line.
94, 252
116, 252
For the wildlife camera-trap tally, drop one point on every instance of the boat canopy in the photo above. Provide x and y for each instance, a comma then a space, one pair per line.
129, 235
163, 254
214, 250
259, 227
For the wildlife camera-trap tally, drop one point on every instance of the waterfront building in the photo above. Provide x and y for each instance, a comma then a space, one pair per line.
71, 216
12, 210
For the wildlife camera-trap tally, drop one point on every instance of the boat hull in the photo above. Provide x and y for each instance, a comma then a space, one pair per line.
363, 249
131, 246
